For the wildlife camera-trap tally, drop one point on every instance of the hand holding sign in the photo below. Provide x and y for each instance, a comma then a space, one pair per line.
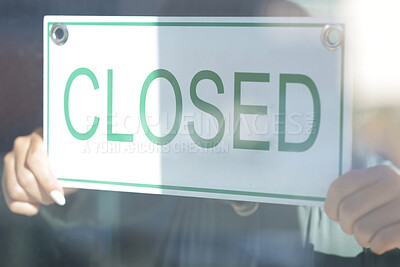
366, 203
27, 179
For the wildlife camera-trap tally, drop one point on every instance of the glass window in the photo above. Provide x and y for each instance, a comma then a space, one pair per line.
98, 228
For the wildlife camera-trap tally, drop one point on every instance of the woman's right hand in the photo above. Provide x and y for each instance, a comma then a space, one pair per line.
27, 180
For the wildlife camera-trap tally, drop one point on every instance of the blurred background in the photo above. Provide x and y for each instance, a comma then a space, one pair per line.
94, 229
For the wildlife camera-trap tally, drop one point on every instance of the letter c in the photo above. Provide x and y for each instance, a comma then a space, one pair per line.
75, 133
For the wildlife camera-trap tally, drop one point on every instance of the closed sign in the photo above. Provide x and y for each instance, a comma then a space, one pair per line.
251, 109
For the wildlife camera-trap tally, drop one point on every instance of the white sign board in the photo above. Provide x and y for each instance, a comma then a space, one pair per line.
251, 109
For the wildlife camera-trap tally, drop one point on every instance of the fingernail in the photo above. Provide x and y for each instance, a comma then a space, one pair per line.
392, 166
58, 197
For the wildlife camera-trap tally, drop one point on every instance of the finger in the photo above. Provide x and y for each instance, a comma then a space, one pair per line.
68, 191
20, 207
38, 162
24, 208
25, 178
386, 239
368, 226
243, 208
348, 184
360, 203
15, 191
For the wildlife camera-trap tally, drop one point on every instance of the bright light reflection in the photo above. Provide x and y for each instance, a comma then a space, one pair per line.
376, 39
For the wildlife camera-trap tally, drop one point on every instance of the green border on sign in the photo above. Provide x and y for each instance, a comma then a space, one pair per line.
205, 24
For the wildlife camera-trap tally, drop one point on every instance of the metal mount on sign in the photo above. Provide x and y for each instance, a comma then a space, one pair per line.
59, 33
332, 36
